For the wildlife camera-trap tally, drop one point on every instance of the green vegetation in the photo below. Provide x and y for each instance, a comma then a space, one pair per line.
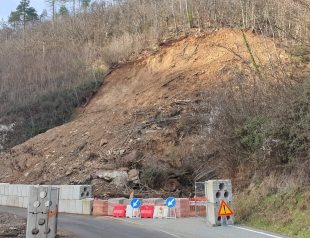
153, 176
281, 212
45, 112
23, 14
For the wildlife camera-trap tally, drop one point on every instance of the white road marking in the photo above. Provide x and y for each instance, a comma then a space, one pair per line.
258, 232
168, 233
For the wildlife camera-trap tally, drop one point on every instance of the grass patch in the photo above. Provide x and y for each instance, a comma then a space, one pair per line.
286, 213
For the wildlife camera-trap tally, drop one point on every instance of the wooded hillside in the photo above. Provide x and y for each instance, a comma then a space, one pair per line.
48, 62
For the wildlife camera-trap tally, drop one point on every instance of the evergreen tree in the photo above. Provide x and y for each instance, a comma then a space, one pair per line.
85, 3
63, 10
23, 14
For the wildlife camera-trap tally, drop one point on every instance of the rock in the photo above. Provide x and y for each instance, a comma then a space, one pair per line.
121, 152
133, 175
172, 185
154, 126
68, 173
103, 142
119, 178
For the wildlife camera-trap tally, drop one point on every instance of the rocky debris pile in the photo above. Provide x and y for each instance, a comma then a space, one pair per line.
12, 225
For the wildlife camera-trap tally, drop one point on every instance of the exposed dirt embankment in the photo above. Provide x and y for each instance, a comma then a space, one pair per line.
132, 121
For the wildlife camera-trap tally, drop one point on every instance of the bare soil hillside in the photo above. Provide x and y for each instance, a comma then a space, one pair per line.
132, 121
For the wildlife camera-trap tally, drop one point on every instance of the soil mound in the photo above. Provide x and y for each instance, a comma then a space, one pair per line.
132, 120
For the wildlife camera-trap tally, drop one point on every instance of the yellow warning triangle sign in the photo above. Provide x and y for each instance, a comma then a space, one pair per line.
225, 210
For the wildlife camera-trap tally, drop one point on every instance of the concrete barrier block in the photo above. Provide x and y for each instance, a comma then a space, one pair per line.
19, 190
67, 206
25, 190
11, 192
88, 191
2, 186
87, 206
1, 199
66, 192
78, 192
62, 192
64, 205
4, 201
9, 201
15, 189
217, 190
72, 206
25, 202
50, 224
20, 201
14, 201
61, 205
213, 219
7, 189
78, 207
81, 191
127, 201
152, 201
117, 200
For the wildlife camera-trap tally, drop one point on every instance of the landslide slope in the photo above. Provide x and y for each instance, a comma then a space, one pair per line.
134, 116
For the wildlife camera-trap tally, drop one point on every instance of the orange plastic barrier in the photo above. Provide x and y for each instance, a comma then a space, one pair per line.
100, 207
146, 211
119, 210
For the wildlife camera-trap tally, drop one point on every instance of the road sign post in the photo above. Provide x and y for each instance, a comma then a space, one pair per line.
135, 204
170, 203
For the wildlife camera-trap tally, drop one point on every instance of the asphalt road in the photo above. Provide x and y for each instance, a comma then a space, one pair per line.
107, 227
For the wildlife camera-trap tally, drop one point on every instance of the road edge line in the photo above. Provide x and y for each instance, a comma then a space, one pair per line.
258, 232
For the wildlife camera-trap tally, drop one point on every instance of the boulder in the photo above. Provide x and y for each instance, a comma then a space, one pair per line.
119, 178
133, 175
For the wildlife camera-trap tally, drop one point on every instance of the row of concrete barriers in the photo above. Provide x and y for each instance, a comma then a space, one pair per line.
76, 199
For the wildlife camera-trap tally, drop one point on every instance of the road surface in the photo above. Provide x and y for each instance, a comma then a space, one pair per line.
107, 227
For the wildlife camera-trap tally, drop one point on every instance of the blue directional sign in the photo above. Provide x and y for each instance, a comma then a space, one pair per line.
135, 203
171, 202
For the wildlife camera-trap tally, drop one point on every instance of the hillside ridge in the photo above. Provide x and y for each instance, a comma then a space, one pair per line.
134, 118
